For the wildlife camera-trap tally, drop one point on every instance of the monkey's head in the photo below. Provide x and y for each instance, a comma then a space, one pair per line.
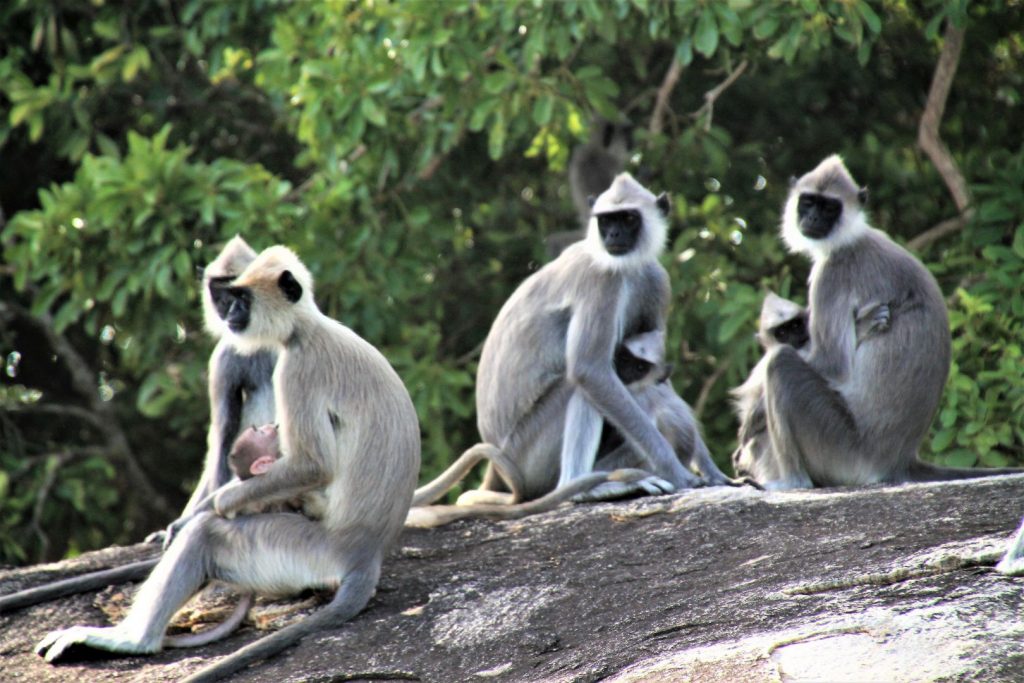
782, 322
824, 211
273, 293
228, 265
254, 451
627, 224
641, 359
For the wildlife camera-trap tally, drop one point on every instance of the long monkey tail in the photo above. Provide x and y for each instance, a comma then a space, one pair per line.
921, 471
356, 589
428, 493
136, 571
438, 515
222, 630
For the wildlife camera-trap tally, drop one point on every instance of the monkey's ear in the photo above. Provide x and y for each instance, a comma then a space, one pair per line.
862, 195
289, 286
199, 273
664, 204
591, 198
792, 181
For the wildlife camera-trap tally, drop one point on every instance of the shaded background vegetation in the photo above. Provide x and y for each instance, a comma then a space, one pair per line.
414, 154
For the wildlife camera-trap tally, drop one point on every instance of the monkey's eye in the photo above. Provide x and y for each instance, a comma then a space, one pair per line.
632, 219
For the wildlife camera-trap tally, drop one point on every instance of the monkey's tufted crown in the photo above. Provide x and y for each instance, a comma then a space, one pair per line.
625, 193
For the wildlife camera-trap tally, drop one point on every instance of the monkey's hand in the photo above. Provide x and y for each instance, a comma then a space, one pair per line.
611, 490
81, 642
872, 319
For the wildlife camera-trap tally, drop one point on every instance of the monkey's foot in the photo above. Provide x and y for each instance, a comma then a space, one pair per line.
1011, 566
611, 490
89, 642
745, 481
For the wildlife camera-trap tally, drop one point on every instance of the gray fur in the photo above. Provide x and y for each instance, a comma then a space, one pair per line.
850, 410
348, 431
551, 350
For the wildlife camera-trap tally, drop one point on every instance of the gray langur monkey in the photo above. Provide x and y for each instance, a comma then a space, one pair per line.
842, 412
593, 166
239, 384
240, 381
546, 381
347, 429
639, 363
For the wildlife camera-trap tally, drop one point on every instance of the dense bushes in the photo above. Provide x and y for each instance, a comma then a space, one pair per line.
414, 155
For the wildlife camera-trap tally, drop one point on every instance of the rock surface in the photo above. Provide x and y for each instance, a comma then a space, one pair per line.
731, 585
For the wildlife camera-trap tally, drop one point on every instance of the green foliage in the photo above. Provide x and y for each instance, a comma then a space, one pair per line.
980, 419
414, 155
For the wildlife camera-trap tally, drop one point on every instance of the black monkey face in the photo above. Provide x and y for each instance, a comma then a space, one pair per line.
818, 214
240, 308
218, 287
620, 230
792, 332
630, 368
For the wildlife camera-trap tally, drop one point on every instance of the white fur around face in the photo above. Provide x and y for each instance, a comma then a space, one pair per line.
626, 193
850, 229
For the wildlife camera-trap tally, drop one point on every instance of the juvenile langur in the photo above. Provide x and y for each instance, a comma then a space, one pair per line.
239, 384
782, 322
252, 454
842, 412
592, 169
640, 364
546, 380
347, 428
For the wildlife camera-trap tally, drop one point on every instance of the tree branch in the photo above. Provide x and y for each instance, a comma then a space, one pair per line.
85, 384
668, 84
928, 129
934, 234
711, 96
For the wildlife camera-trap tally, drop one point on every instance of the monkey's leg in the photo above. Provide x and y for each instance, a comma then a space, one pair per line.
175, 579
809, 425
1013, 562
282, 553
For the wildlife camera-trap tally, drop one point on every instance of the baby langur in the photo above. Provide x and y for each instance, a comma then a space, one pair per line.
640, 364
843, 412
347, 428
252, 454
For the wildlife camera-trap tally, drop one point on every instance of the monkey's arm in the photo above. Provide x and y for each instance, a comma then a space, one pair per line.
286, 479
590, 345
871, 320
225, 420
833, 331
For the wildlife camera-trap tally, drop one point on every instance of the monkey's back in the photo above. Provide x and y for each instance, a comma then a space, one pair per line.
897, 377
344, 390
